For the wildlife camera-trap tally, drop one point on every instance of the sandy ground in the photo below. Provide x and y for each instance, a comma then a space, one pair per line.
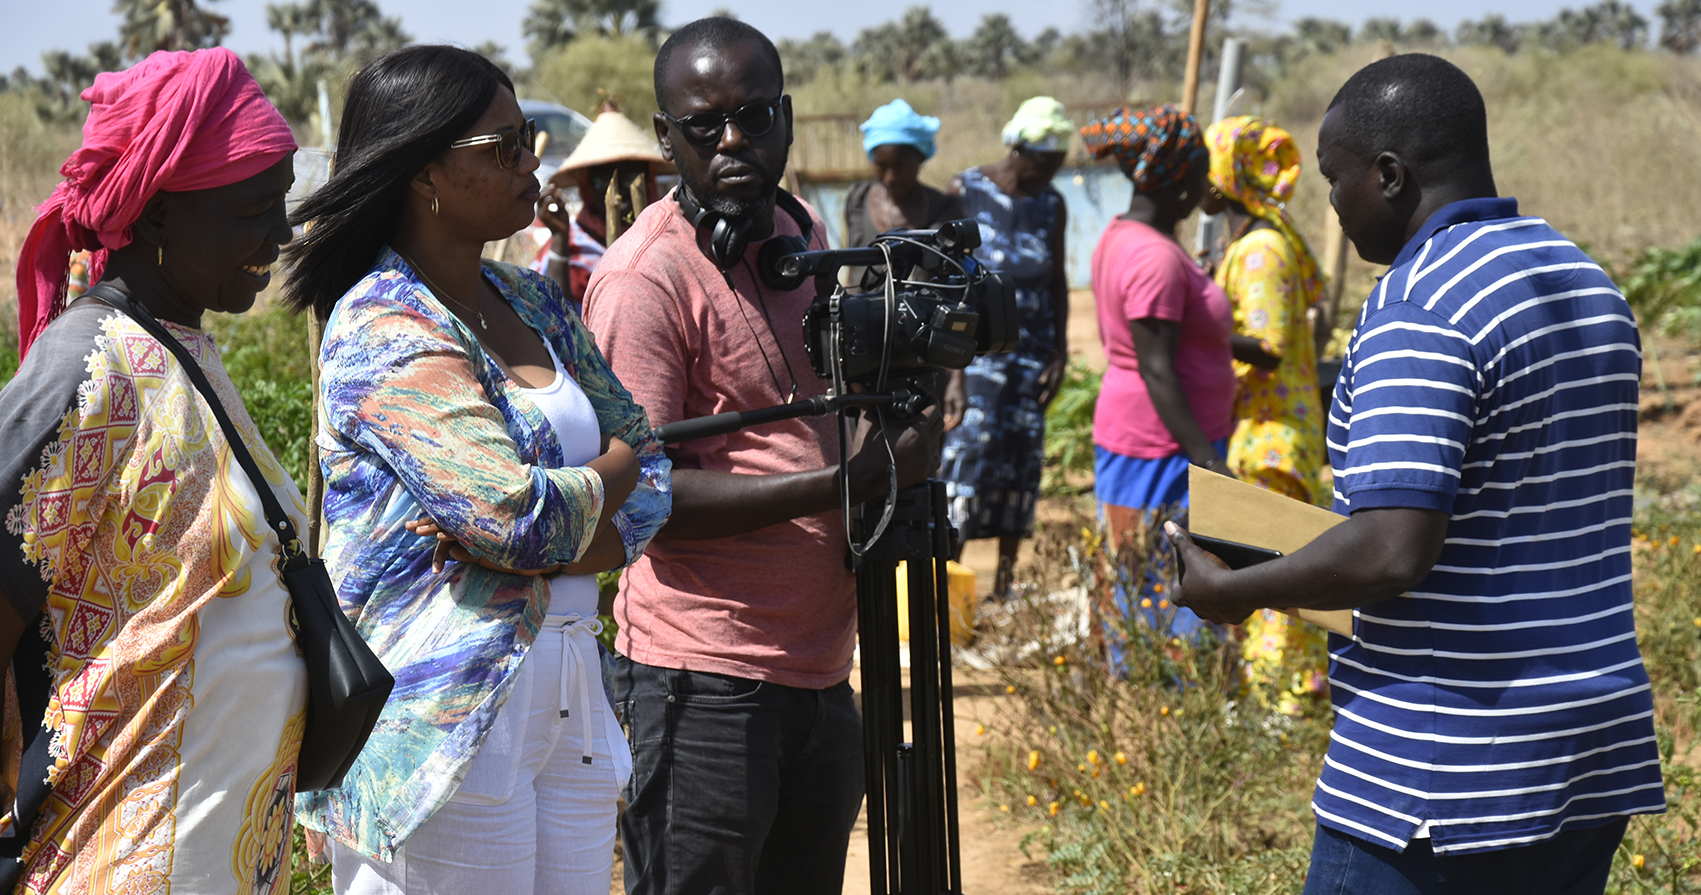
992, 859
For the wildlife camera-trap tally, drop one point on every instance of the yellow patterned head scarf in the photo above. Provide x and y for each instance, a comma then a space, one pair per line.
1256, 163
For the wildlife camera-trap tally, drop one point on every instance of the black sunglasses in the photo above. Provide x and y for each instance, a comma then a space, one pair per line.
508, 142
706, 128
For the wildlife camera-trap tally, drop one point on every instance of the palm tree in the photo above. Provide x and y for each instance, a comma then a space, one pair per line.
290, 20
151, 25
554, 23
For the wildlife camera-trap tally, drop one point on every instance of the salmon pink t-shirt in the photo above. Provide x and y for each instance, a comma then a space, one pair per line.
777, 604
1139, 273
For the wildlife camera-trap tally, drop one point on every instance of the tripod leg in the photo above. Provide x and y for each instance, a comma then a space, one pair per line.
942, 591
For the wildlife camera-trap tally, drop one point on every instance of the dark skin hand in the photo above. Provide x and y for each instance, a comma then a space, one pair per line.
219, 245
1155, 343
712, 504
1374, 555
744, 170
1378, 553
478, 201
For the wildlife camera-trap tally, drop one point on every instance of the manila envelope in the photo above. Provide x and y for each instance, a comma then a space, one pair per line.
1226, 508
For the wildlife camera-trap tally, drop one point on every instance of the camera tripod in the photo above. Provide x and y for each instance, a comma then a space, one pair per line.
913, 840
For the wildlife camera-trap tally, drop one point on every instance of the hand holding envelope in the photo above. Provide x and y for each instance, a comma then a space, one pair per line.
1231, 510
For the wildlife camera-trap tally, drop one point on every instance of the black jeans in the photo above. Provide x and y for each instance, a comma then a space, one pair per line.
1573, 862
738, 786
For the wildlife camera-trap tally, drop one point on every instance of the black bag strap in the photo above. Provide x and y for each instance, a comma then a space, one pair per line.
293, 552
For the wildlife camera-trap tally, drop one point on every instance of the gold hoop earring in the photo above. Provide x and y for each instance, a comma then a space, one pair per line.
433, 206
159, 259
1184, 195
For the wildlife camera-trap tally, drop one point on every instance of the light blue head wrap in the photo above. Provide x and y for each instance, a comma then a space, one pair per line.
896, 122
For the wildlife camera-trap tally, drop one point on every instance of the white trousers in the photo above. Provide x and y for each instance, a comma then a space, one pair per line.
531, 815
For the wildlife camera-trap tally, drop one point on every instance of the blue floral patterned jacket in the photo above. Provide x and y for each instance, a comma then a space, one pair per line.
415, 419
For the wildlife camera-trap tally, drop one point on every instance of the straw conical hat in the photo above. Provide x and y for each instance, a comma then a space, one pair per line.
614, 138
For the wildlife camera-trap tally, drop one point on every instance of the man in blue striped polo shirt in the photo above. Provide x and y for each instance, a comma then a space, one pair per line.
1493, 725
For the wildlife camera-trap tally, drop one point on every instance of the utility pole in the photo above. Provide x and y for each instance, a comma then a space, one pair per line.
1228, 89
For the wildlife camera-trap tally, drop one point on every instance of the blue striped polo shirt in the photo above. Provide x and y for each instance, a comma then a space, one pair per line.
1492, 376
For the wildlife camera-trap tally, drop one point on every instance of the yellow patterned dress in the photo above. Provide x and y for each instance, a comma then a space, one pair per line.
1277, 444
161, 692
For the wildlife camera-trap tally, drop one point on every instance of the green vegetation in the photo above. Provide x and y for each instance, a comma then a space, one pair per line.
1156, 778
1069, 432
1162, 780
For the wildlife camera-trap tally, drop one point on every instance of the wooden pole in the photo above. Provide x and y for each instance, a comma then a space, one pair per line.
1335, 256
1195, 54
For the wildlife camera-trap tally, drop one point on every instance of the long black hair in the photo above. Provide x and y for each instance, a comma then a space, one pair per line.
403, 110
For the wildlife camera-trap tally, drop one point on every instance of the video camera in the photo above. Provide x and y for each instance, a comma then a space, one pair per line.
933, 306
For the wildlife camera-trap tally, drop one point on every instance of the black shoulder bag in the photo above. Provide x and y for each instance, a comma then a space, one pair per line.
346, 683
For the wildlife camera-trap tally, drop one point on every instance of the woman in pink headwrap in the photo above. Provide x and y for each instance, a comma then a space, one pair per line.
160, 692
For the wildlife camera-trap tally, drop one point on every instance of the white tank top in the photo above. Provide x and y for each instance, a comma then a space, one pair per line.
568, 410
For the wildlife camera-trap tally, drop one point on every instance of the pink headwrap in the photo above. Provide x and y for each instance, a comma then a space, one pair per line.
174, 121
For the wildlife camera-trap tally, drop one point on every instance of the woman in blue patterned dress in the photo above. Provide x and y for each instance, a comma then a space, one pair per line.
992, 461
466, 414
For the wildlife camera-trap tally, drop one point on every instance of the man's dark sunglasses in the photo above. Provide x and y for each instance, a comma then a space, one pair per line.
706, 128
508, 142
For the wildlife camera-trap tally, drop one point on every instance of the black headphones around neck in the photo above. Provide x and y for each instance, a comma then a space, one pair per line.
728, 237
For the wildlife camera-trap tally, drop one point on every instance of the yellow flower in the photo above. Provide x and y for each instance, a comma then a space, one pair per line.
1054, 809
1698, 549
1163, 604
1157, 588
1105, 804
1164, 710
1095, 771
1138, 789
1009, 689
1698, 621
1052, 730
1121, 758
1092, 756
1033, 759
980, 730
1004, 808
1032, 801
1060, 660
1081, 767
1146, 603
1638, 861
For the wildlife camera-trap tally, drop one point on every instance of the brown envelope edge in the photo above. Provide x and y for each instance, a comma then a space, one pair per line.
1227, 508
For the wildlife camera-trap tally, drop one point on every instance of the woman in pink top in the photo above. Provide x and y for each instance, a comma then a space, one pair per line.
1168, 393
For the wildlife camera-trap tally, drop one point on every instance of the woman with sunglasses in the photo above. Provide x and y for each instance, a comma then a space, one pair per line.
481, 466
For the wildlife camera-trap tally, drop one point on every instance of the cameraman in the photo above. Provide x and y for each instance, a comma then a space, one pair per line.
736, 628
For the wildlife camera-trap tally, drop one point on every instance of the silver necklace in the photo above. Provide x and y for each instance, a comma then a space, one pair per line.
439, 291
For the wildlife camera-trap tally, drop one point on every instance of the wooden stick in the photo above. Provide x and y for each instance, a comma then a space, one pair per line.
1195, 55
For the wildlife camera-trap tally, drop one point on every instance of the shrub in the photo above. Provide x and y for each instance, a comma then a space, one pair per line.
1151, 777
1069, 431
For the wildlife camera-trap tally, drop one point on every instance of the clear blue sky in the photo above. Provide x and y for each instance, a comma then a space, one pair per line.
32, 26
